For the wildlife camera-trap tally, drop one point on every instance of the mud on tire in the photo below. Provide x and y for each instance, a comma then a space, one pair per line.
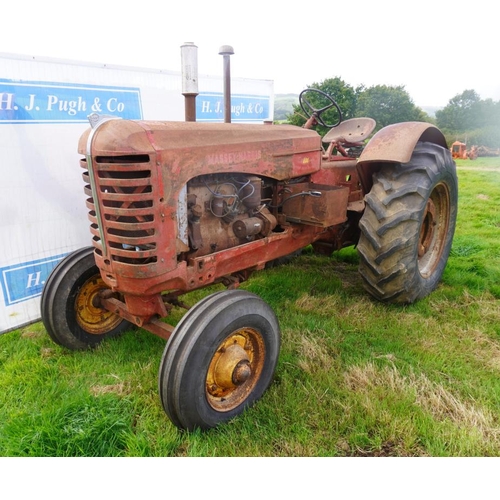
408, 225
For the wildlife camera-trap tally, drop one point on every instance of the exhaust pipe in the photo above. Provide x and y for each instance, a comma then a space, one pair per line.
189, 63
226, 51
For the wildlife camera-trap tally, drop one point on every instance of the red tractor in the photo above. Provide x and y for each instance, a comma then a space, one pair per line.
177, 206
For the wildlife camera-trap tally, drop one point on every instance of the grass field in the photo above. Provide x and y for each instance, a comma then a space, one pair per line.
355, 377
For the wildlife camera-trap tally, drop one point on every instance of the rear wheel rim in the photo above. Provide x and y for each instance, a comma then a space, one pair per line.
434, 230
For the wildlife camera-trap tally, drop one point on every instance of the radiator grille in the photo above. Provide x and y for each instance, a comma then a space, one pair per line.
125, 193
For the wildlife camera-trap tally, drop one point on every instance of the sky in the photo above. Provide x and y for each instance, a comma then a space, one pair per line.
435, 49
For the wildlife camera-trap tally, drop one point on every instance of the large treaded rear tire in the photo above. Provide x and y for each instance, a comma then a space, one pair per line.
408, 225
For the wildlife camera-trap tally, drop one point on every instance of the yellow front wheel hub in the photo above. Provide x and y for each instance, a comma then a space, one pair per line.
89, 315
235, 369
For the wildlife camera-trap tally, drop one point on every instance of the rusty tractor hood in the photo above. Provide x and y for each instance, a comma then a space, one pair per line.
194, 148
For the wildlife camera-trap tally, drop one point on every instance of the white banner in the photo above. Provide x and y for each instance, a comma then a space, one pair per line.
44, 106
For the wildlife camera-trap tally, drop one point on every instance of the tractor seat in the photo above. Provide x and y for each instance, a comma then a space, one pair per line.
351, 131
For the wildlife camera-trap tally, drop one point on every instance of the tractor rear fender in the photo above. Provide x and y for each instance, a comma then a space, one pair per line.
395, 144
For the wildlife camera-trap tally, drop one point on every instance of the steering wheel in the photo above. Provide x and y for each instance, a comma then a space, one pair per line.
310, 110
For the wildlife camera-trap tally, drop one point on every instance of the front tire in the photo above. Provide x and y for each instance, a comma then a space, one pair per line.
69, 306
219, 360
408, 225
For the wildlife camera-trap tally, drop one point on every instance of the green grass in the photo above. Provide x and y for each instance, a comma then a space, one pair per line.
355, 377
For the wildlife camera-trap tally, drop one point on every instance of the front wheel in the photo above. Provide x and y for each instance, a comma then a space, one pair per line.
408, 225
219, 360
70, 307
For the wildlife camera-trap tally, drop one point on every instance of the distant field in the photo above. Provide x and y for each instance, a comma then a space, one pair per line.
283, 105
355, 377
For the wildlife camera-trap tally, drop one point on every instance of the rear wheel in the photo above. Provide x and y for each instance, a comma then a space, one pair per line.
408, 225
70, 304
219, 360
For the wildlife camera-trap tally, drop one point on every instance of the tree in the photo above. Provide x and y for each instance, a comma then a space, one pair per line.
461, 113
388, 105
468, 118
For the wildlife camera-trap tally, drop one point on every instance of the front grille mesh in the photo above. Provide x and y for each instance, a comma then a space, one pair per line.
125, 193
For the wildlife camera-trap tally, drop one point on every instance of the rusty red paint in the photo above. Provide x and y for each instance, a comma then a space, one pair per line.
183, 205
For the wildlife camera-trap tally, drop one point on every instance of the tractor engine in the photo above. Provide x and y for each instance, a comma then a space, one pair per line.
175, 206
223, 211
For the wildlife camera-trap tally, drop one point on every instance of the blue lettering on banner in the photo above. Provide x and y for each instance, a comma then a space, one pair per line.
244, 108
25, 281
42, 102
